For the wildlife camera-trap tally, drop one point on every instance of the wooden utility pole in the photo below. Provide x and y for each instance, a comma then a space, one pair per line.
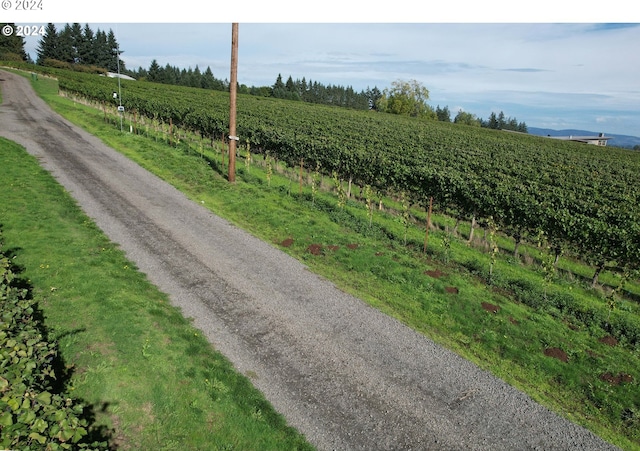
232, 97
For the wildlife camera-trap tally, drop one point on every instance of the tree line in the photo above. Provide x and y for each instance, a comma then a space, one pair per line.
410, 98
173, 75
298, 90
75, 45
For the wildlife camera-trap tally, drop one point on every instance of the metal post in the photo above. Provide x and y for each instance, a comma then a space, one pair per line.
232, 97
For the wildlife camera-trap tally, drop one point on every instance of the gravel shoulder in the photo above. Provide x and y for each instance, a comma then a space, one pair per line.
344, 374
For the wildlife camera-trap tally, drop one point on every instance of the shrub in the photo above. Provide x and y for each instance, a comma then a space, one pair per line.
34, 412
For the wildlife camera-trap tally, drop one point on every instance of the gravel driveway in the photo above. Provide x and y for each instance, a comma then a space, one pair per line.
345, 375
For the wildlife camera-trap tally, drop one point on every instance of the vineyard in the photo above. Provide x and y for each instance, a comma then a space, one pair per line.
583, 200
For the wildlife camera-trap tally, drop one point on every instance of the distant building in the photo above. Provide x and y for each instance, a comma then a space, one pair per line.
599, 140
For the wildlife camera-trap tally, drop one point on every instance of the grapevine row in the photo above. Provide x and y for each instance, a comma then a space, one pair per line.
584, 198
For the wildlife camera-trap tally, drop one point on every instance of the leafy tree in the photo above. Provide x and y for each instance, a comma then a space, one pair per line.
466, 119
408, 98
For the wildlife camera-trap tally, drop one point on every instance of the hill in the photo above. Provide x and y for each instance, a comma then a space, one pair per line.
625, 141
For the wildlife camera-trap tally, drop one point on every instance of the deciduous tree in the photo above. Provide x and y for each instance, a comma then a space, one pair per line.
408, 98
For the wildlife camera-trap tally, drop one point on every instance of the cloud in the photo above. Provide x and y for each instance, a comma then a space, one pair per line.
534, 71
525, 69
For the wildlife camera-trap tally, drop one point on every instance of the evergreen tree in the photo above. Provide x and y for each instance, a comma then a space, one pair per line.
12, 47
86, 48
373, 96
196, 78
66, 49
502, 122
114, 54
154, 71
48, 44
279, 90
208, 80
101, 49
493, 121
77, 38
170, 75
443, 114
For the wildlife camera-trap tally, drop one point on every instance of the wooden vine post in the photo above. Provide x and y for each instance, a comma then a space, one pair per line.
426, 233
301, 169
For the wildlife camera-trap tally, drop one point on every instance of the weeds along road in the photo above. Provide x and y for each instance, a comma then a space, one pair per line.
345, 375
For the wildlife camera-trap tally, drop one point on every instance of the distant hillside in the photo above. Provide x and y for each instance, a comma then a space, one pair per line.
617, 141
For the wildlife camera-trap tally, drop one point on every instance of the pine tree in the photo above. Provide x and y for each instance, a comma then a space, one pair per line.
86, 48
48, 44
154, 71
443, 114
12, 47
66, 49
101, 49
114, 54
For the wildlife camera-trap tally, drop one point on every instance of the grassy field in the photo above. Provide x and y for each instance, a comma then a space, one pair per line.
440, 293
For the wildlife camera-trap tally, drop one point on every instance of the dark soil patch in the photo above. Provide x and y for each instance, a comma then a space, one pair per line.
556, 353
352, 246
616, 380
287, 243
609, 340
315, 249
490, 307
452, 290
436, 274
512, 320
333, 248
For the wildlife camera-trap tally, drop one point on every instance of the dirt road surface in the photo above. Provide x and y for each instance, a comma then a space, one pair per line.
345, 375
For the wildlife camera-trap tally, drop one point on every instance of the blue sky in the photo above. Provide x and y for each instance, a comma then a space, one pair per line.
552, 75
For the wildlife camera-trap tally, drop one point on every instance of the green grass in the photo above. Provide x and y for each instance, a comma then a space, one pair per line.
150, 376
391, 276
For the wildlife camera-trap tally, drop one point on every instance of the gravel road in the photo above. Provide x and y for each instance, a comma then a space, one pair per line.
347, 376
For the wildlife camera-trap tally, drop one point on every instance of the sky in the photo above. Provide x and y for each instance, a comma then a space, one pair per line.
559, 75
